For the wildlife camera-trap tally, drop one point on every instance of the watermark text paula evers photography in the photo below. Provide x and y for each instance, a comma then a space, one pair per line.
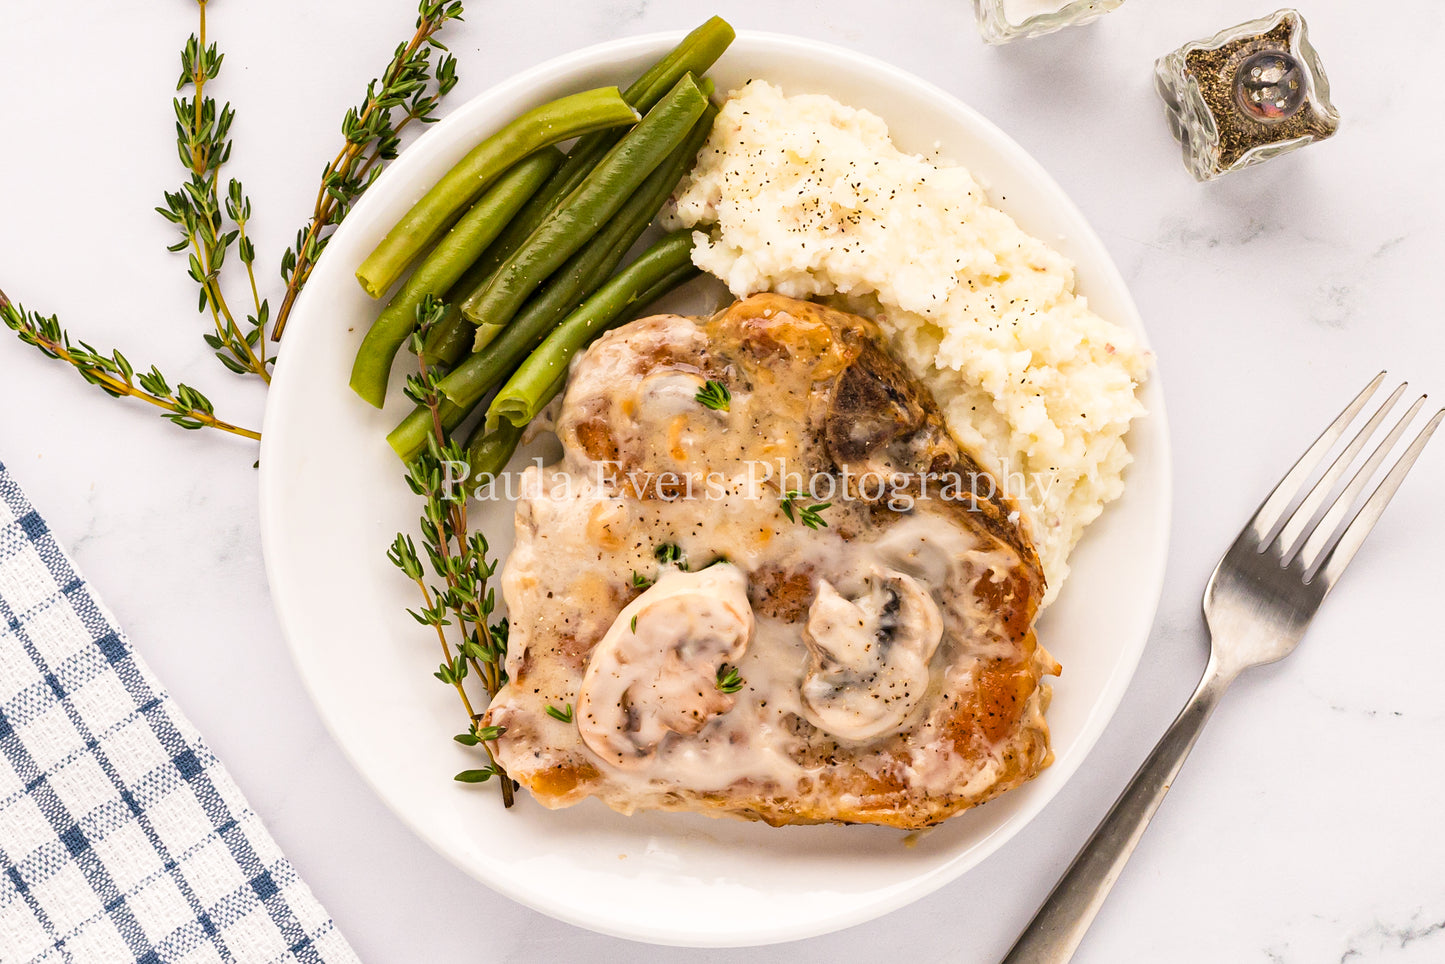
757, 479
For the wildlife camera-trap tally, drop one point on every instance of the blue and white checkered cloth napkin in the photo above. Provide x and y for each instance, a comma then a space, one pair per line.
122, 838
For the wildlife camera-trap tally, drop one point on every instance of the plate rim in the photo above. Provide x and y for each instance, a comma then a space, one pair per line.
1115, 687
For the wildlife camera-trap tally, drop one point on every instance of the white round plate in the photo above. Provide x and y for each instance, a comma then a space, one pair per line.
332, 499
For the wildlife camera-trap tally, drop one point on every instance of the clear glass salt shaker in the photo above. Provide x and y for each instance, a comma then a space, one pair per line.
1001, 21
1245, 95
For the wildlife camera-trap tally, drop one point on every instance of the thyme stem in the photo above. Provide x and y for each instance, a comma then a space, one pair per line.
210, 228
113, 373
371, 138
458, 558
472, 714
447, 650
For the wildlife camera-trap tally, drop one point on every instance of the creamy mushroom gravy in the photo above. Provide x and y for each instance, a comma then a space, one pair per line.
890, 672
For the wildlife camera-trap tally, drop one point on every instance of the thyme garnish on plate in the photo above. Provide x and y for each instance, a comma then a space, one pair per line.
728, 680
809, 515
460, 608
714, 395
372, 133
113, 373
670, 554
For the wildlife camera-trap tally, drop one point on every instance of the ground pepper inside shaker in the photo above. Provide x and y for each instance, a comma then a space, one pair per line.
1247, 94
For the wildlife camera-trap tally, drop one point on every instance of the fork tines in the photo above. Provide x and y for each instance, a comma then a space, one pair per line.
1311, 532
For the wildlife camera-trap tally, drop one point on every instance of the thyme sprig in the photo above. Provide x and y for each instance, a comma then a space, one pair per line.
463, 602
214, 223
809, 515
728, 679
211, 225
670, 554
113, 374
408, 90
714, 395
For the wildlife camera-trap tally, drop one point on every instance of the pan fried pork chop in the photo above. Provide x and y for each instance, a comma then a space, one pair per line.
731, 647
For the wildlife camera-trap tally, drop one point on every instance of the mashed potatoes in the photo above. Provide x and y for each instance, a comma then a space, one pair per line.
808, 197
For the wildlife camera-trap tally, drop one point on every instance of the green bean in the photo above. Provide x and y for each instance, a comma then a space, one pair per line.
468, 382
594, 264
669, 281
482, 371
462, 246
590, 205
465, 386
479, 373
697, 52
410, 437
548, 124
489, 452
527, 220
451, 338
449, 341
524, 394
582, 273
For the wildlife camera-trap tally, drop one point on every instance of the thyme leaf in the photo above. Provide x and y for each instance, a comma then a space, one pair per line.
670, 554
714, 395
728, 680
480, 776
809, 515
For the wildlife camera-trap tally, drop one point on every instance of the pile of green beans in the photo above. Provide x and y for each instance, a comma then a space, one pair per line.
524, 243
446, 264
583, 272
551, 123
453, 338
582, 213
697, 52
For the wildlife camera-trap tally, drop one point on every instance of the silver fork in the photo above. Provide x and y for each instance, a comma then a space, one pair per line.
1262, 595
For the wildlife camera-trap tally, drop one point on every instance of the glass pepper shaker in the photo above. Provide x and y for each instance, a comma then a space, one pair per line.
1247, 94
1001, 21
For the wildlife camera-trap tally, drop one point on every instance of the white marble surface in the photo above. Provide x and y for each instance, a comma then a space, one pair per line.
1306, 825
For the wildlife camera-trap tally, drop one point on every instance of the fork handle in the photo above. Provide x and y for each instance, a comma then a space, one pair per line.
1058, 927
